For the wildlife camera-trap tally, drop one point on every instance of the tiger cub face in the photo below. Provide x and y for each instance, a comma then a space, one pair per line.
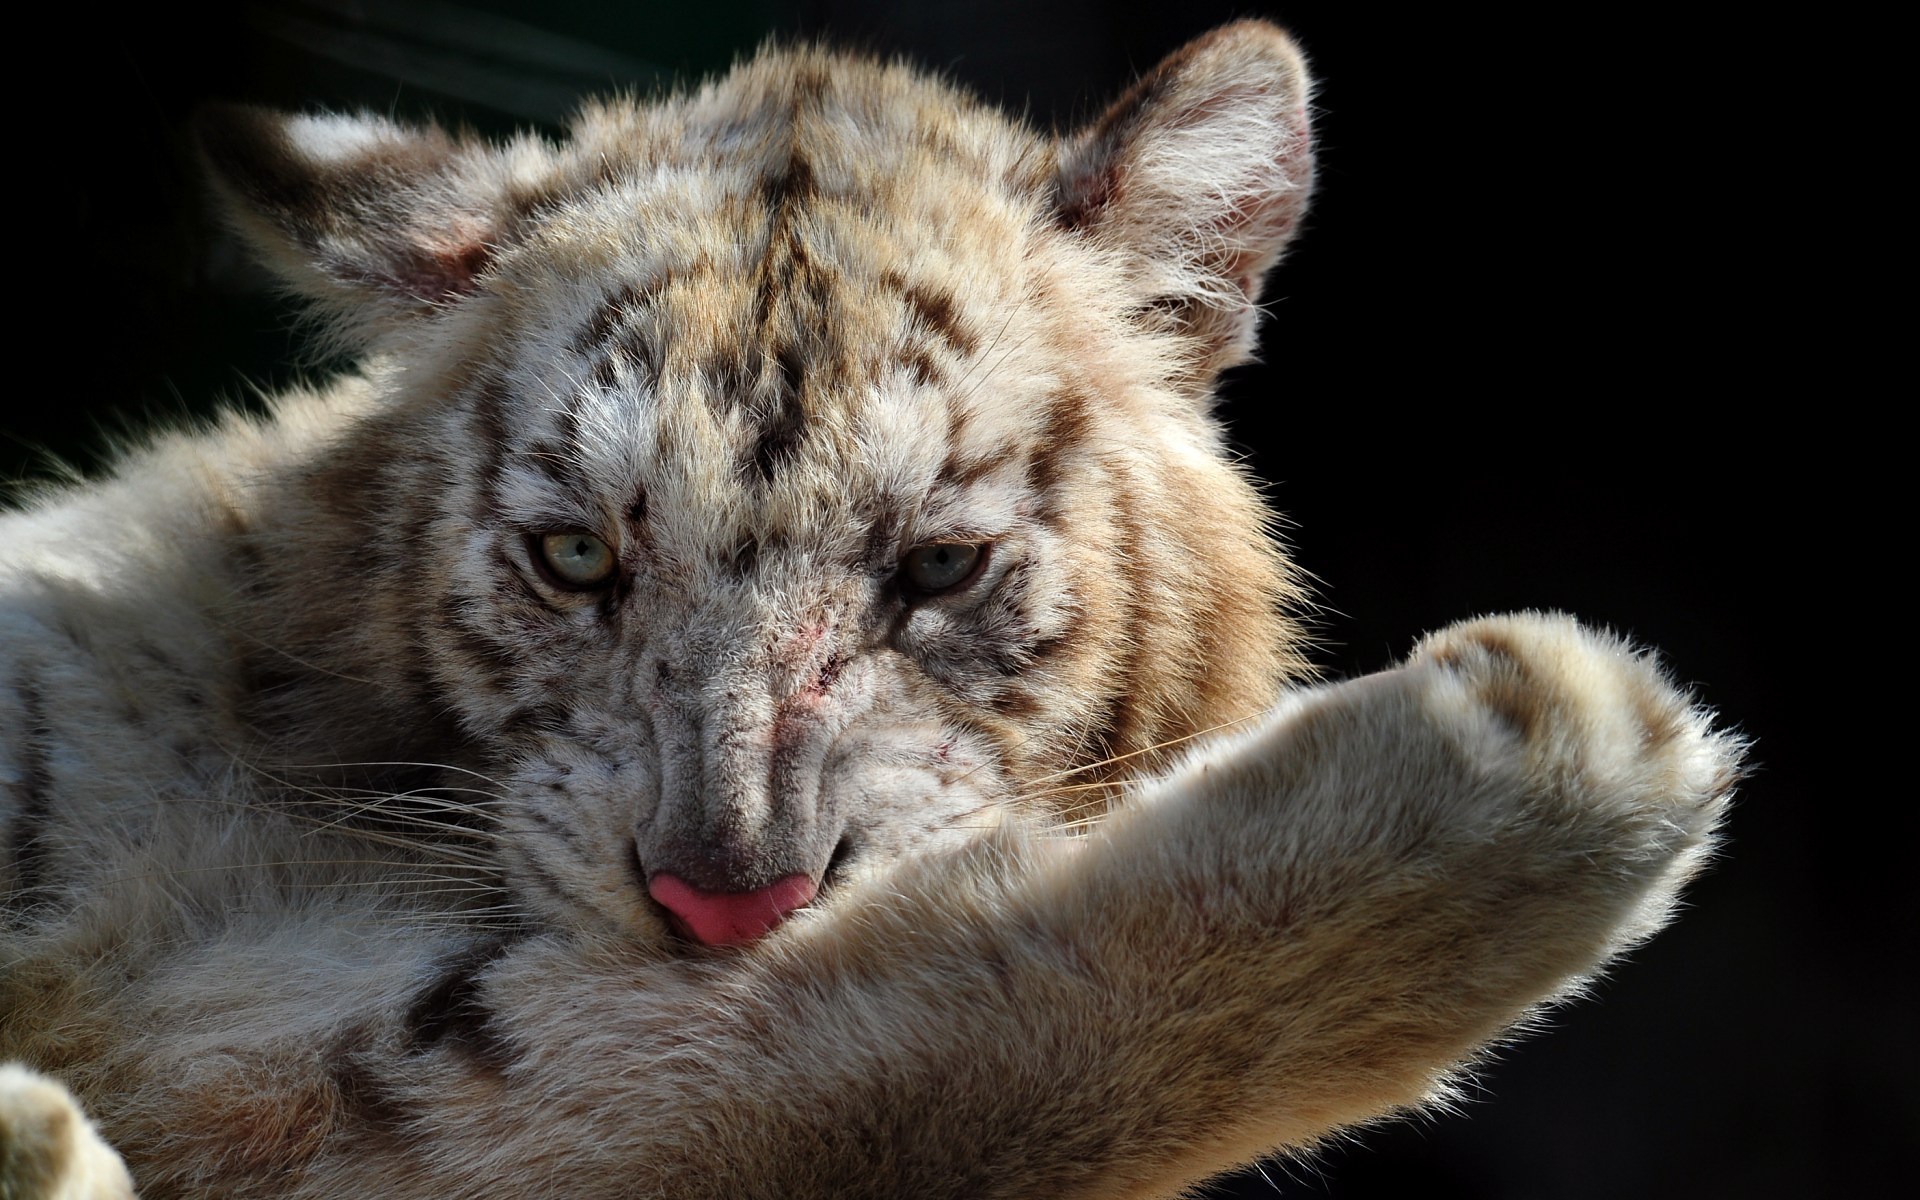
783, 478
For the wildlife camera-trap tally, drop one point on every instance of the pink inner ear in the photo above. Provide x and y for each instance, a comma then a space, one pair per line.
439, 270
461, 267
729, 918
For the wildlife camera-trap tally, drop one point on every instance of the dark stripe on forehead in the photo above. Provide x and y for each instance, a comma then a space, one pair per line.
1068, 421
940, 313
783, 417
556, 461
792, 349
742, 559
790, 187
611, 337
771, 374
632, 349
920, 364
937, 310
559, 458
490, 429
958, 469
961, 471
567, 422
773, 368
613, 314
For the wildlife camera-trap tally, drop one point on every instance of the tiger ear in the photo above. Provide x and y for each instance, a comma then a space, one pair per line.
379, 222
1198, 177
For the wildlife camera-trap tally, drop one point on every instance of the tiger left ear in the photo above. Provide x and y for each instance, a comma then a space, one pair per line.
380, 223
1199, 177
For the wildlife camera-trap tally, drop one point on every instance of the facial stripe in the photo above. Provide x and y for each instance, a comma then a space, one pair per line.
937, 311
489, 659
1122, 721
1069, 420
34, 806
613, 315
782, 416
491, 430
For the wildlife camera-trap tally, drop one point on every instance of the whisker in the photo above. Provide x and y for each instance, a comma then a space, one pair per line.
242, 760
177, 872
428, 795
311, 666
1072, 788
398, 762
1153, 749
446, 846
987, 377
381, 803
243, 804
383, 806
1012, 311
450, 854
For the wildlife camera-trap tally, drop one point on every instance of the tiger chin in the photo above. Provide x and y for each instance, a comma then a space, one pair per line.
769, 682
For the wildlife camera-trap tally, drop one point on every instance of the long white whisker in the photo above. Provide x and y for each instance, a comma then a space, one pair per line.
398, 762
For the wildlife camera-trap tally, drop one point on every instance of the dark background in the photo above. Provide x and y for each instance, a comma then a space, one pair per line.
1530, 353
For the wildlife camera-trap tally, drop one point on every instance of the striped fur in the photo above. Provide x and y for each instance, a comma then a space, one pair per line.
333, 804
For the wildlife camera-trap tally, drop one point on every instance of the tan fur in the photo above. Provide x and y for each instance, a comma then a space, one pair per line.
335, 819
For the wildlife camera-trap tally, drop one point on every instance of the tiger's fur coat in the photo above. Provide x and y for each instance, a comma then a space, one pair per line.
336, 808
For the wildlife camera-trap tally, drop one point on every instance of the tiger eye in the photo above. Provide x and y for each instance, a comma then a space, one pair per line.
940, 566
578, 559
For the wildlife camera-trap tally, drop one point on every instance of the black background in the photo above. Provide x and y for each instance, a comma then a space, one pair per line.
1529, 353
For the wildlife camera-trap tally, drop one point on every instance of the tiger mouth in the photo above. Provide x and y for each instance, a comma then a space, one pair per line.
706, 919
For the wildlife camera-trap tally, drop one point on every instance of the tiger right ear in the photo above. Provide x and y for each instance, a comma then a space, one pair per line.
1199, 177
379, 222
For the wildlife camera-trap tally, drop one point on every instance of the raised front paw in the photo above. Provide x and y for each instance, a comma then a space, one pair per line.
1611, 757
48, 1148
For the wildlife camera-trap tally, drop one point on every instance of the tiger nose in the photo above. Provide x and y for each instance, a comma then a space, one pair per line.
729, 918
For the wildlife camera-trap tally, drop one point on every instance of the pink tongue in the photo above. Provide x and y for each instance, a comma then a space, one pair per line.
729, 918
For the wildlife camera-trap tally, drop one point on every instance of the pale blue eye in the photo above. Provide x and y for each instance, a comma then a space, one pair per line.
937, 566
578, 559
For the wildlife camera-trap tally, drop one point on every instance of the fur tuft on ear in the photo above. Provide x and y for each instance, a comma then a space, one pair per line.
1199, 176
378, 222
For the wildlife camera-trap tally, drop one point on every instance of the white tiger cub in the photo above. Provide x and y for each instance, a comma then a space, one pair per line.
708, 712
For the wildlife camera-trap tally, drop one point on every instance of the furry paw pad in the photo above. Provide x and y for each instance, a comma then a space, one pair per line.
1594, 722
48, 1148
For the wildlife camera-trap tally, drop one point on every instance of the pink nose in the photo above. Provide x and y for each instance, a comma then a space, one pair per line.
729, 918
